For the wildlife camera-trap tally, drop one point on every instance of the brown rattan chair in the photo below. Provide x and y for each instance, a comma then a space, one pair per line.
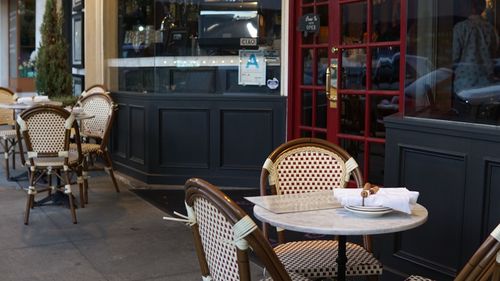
309, 165
96, 131
46, 130
8, 134
484, 265
223, 233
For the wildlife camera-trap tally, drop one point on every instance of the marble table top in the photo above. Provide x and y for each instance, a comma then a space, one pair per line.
339, 221
15, 105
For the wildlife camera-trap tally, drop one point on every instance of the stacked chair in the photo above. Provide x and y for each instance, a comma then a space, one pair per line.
46, 130
309, 165
224, 234
8, 135
95, 131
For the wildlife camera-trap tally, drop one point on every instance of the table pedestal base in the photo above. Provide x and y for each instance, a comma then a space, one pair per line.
341, 258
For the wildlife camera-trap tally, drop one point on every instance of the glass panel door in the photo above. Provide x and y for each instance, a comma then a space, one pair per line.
349, 76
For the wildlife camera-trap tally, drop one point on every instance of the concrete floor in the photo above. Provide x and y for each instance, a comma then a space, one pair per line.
119, 236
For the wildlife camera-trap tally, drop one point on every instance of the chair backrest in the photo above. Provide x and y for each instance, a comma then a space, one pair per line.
308, 164
103, 108
223, 233
6, 115
97, 88
46, 130
485, 263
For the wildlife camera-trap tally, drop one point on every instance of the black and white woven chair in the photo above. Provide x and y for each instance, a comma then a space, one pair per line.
309, 165
46, 130
96, 132
8, 133
223, 234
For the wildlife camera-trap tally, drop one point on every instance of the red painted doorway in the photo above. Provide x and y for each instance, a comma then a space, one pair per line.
345, 75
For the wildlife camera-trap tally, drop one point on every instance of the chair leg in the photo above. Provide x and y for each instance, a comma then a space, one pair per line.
85, 181
81, 187
13, 155
6, 156
31, 198
70, 195
109, 166
29, 204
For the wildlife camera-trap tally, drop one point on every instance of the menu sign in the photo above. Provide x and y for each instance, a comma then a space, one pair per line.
309, 23
252, 68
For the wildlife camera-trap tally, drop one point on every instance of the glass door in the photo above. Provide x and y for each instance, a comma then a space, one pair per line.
347, 75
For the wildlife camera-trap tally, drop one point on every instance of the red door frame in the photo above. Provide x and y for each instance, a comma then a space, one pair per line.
333, 115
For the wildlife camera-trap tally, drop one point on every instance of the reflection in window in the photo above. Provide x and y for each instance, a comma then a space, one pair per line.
154, 34
452, 67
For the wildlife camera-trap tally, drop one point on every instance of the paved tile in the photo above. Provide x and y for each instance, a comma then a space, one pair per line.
142, 256
119, 236
55, 262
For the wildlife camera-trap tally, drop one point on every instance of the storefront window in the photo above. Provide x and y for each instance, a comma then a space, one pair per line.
452, 62
198, 46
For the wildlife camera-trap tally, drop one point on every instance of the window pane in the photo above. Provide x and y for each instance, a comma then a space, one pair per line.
352, 114
451, 67
306, 109
231, 47
353, 69
386, 20
353, 23
307, 66
321, 109
385, 68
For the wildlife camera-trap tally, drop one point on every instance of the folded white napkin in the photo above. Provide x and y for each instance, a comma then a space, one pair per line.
40, 98
25, 100
400, 198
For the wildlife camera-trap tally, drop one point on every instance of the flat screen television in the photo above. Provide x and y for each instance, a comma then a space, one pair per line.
225, 28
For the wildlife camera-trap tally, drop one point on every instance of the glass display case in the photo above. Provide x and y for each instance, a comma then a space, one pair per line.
164, 46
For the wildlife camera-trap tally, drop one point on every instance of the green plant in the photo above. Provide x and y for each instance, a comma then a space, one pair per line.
53, 70
67, 100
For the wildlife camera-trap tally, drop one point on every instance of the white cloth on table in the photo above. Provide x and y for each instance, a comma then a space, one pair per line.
398, 198
40, 98
25, 100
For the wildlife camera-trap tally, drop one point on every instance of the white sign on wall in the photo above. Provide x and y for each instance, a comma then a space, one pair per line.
252, 68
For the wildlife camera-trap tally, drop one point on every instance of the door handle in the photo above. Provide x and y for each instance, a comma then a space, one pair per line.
331, 90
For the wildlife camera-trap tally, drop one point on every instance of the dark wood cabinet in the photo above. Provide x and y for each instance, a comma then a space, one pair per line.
456, 168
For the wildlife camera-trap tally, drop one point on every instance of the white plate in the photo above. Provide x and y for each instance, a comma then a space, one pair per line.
369, 208
368, 214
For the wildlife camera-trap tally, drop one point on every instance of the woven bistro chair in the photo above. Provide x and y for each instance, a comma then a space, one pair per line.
484, 264
96, 132
309, 165
46, 130
8, 135
223, 235
97, 88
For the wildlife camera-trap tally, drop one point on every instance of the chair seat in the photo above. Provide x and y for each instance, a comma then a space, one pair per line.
8, 134
302, 257
56, 161
293, 276
87, 147
417, 278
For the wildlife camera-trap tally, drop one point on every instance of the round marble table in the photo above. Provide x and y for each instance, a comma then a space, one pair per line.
341, 222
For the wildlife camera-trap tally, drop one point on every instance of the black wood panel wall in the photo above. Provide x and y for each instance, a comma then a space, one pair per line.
166, 139
456, 168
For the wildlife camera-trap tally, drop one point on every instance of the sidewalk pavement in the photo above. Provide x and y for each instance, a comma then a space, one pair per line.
119, 236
